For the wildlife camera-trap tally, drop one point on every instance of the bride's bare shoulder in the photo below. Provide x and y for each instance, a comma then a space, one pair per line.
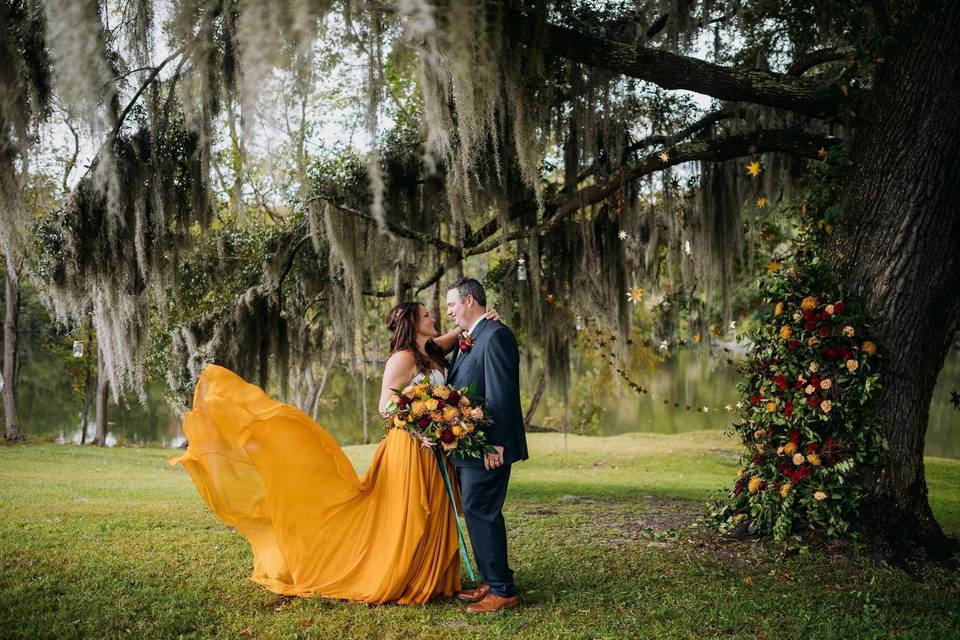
401, 359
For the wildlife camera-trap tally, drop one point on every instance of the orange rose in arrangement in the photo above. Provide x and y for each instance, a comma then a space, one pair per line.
786, 331
754, 484
869, 348
808, 303
778, 309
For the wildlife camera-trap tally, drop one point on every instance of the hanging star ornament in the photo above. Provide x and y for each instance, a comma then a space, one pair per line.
822, 153
754, 169
622, 235
761, 202
635, 295
955, 399
664, 156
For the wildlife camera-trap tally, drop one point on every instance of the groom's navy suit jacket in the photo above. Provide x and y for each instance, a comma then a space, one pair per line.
493, 365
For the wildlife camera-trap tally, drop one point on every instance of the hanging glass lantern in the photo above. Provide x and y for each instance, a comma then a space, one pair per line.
521, 269
77, 349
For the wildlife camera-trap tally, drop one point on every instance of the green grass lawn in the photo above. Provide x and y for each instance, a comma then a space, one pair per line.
103, 543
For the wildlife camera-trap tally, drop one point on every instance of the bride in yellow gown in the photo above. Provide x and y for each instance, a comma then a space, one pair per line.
315, 527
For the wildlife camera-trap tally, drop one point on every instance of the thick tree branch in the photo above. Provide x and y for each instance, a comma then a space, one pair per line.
831, 54
665, 140
673, 71
558, 209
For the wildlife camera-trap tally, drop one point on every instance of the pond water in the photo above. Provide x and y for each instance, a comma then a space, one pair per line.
689, 377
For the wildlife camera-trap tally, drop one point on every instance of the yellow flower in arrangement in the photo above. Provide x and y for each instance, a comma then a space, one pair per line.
798, 459
754, 484
785, 489
476, 413
759, 433
820, 496
739, 473
635, 295
408, 391
771, 407
813, 459
395, 399
761, 202
826, 405
449, 413
778, 309
754, 169
457, 431
441, 392
790, 448
814, 367
436, 416
808, 303
826, 384
849, 331
812, 341
852, 365
418, 408
786, 331
464, 401
420, 389
869, 348
830, 309
810, 389
432, 404
398, 422
467, 427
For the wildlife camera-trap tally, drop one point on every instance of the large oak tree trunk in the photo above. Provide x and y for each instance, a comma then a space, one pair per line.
899, 249
12, 430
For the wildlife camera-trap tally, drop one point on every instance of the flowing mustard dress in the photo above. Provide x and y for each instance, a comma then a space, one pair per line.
315, 527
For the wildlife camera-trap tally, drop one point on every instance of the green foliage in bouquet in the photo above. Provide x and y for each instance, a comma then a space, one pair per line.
808, 394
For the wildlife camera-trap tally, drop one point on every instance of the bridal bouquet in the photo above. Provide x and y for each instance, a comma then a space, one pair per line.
437, 413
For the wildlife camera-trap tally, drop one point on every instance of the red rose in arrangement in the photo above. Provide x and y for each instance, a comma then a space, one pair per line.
780, 381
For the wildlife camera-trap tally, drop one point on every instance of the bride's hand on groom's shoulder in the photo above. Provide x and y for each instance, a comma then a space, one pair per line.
491, 314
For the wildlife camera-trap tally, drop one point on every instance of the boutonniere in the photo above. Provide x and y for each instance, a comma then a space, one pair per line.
466, 343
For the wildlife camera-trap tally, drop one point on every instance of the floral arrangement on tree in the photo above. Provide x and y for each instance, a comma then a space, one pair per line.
437, 413
807, 419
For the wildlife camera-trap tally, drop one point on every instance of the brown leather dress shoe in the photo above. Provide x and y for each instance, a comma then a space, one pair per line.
474, 595
493, 603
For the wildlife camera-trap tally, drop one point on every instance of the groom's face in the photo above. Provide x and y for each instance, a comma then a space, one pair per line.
459, 309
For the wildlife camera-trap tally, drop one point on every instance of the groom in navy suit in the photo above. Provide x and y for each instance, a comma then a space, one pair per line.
487, 357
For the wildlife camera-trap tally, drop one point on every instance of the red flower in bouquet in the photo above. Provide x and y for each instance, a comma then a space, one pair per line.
788, 410
780, 381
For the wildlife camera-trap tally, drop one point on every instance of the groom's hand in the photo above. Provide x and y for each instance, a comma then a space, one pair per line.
494, 460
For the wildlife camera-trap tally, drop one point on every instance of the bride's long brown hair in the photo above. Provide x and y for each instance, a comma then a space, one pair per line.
403, 321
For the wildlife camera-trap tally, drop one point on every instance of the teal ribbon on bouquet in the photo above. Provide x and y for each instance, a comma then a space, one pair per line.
456, 516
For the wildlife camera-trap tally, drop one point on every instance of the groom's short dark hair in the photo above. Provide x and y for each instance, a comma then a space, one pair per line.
469, 286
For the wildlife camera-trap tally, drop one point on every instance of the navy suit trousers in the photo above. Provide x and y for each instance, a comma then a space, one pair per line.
482, 493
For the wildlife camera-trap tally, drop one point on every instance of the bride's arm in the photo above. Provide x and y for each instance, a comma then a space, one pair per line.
448, 341
397, 373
